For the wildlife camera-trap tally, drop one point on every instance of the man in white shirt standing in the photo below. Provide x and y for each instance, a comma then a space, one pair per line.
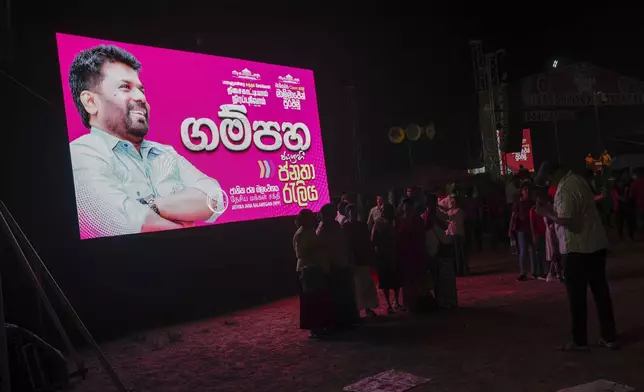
582, 243
375, 213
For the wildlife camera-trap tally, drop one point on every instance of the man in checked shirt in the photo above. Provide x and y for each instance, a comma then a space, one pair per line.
582, 244
124, 183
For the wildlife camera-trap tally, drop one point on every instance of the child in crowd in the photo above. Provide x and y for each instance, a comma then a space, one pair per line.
456, 229
538, 228
553, 258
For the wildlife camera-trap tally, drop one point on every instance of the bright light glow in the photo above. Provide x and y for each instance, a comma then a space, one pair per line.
554, 64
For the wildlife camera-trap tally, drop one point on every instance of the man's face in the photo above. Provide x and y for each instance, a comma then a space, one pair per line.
410, 192
119, 102
379, 201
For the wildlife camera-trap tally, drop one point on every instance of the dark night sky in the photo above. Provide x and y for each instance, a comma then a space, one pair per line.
408, 64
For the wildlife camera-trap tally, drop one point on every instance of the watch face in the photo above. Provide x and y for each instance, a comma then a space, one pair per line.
154, 208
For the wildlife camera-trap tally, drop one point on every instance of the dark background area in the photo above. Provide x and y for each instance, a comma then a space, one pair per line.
407, 62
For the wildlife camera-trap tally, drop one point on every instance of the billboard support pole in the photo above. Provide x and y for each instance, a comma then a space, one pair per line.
14, 232
5, 381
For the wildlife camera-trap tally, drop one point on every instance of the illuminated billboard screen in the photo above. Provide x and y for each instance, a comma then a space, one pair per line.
511, 162
162, 139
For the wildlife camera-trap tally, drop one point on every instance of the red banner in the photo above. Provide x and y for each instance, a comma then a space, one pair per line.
514, 160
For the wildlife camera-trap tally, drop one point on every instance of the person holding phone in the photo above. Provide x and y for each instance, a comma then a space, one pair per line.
582, 243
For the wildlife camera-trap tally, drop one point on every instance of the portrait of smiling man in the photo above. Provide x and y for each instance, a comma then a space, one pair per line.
124, 183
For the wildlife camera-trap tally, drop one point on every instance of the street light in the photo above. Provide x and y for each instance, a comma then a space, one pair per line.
554, 63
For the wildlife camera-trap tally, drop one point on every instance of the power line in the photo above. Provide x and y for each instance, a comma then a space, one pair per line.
26, 88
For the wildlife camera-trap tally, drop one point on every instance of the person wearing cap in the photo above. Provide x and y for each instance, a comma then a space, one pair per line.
582, 244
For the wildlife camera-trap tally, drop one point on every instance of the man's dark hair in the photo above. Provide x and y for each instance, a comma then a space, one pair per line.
85, 71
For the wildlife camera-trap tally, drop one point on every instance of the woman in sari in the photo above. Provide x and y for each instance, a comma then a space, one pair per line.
333, 241
435, 235
412, 253
383, 237
316, 312
363, 256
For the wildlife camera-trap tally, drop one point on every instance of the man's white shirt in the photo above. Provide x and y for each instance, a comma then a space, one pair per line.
574, 200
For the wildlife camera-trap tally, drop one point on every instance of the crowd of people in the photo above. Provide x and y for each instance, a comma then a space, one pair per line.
337, 252
618, 201
416, 249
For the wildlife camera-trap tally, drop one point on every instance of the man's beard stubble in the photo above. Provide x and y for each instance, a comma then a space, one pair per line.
137, 127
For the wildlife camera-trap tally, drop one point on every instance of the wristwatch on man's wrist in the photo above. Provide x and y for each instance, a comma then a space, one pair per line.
149, 201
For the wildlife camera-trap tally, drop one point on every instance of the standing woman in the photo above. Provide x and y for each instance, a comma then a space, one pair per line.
335, 247
383, 237
434, 232
412, 253
553, 257
316, 313
456, 229
362, 253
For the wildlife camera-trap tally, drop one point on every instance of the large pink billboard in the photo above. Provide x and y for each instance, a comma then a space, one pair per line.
163, 139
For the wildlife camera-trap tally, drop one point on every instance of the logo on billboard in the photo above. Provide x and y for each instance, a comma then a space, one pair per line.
246, 74
289, 79
266, 169
217, 201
